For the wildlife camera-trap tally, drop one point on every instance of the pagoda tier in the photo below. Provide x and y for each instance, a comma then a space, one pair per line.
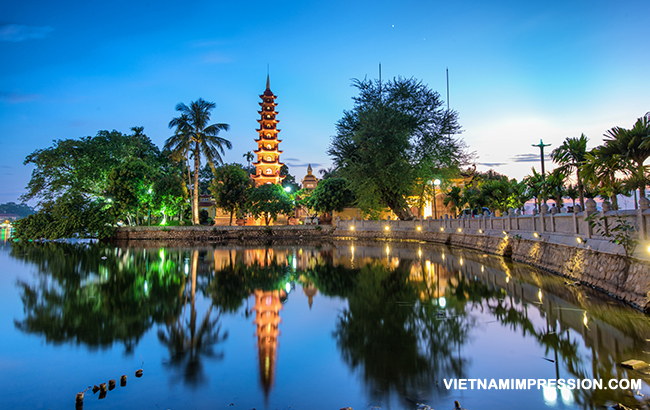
268, 165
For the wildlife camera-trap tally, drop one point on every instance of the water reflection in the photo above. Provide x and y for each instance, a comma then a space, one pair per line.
413, 314
185, 342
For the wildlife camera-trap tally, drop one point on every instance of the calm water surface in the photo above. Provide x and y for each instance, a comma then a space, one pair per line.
301, 327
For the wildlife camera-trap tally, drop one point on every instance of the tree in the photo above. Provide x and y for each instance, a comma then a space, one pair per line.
632, 145
536, 187
571, 155
71, 215
601, 170
130, 186
555, 185
453, 198
81, 166
269, 201
194, 135
169, 193
249, 157
330, 195
289, 180
396, 129
230, 188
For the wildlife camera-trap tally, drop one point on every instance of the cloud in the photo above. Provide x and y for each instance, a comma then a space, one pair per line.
15, 98
18, 32
216, 58
492, 164
313, 164
528, 158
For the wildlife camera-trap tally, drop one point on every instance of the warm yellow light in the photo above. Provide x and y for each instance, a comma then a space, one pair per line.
387, 250
419, 228
352, 249
442, 229
387, 228
505, 233
352, 228
460, 230
507, 279
585, 320
579, 240
539, 295
480, 231
420, 253
482, 268
461, 261
535, 234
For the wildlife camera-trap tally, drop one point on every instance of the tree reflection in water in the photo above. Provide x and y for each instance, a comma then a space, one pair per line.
94, 295
187, 343
399, 342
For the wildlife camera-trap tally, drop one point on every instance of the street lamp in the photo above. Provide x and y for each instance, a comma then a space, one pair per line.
436, 183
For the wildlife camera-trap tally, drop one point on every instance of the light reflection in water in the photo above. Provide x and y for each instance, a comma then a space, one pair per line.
390, 315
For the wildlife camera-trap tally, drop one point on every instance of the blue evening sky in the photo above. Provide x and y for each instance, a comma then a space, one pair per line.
519, 71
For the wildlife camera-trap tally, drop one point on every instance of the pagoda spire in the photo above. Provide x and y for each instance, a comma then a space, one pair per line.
268, 165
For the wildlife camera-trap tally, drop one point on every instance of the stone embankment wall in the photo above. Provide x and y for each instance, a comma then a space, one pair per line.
197, 234
561, 243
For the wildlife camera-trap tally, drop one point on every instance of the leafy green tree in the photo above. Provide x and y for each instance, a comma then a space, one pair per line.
571, 155
332, 194
230, 188
194, 135
129, 186
395, 129
269, 201
71, 215
169, 194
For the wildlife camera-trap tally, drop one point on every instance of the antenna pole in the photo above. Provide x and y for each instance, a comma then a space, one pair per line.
380, 79
447, 88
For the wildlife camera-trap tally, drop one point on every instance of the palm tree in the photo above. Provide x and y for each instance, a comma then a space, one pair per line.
632, 145
537, 187
600, 170
571, 155
249, 157
194, 135
453, 198
555, 185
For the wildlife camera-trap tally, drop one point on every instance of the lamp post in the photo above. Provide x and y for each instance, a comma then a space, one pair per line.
436, 183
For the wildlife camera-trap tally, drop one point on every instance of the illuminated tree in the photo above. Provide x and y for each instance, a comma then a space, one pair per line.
396, 129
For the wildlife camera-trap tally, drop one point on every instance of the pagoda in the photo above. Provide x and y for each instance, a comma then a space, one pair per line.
267, 167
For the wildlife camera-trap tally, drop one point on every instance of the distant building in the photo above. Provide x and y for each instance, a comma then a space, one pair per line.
6, 218
309, 181
267, 167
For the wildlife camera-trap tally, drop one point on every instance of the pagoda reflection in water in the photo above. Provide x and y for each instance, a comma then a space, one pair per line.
267, 318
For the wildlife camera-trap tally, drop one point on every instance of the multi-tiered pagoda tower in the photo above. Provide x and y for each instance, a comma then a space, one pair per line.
267, 167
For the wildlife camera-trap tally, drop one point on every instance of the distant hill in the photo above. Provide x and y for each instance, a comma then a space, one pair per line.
19, 209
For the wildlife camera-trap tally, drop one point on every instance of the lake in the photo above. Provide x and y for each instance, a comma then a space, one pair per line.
369, 325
